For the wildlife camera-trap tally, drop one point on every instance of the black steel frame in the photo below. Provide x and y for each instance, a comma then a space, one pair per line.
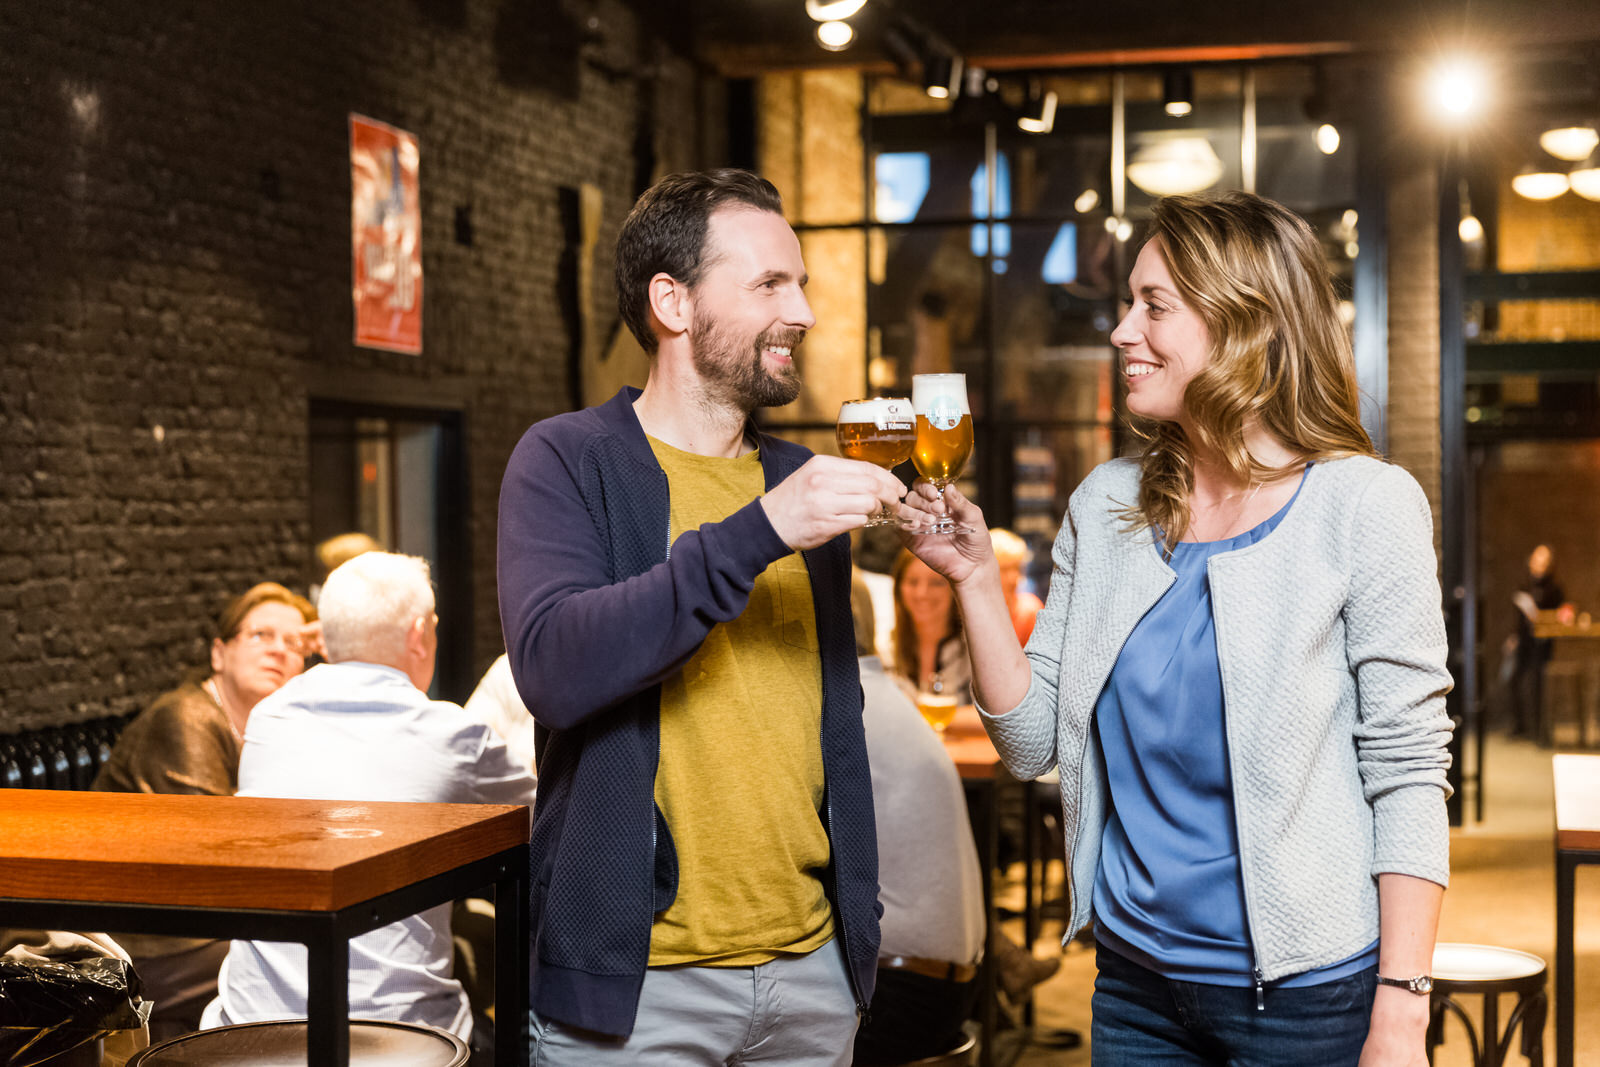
1491, 1047
327, 934
1568, 860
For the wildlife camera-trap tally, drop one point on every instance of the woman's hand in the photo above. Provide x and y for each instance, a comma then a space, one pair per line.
1398, 1035
956, 556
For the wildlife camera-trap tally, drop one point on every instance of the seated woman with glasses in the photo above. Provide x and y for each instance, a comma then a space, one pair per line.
187, 741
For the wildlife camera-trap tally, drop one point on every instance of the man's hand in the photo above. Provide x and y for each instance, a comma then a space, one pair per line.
827, 497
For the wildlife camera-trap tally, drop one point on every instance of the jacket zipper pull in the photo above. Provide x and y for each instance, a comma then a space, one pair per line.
1261, 993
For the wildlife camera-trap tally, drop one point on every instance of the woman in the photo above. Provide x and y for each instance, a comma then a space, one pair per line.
930, 654
187, 741
1239, 672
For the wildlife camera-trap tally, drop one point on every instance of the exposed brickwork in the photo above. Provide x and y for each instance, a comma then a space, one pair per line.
1414, 328
174, 224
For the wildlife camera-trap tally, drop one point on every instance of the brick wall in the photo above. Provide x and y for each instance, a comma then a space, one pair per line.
174, 225
1414, 327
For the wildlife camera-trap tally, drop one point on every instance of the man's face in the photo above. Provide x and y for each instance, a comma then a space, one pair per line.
750, 309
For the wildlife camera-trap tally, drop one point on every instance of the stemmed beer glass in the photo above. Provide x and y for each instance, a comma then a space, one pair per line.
944, 437
882, 431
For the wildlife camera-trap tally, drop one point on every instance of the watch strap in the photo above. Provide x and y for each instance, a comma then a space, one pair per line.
1421, 984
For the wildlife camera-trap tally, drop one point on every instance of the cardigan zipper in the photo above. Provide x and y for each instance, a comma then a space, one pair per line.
1238, 827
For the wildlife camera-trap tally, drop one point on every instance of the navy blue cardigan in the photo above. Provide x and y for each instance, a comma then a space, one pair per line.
597, 611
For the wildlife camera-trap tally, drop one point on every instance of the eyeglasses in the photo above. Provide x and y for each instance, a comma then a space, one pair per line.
267, 637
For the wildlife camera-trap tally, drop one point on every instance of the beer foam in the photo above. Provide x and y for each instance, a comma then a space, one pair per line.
880, 411
942, 393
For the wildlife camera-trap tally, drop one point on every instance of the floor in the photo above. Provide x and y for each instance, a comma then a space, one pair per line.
1502, 892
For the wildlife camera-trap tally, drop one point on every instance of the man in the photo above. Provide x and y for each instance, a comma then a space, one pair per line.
675, 594
931, 885
361, 727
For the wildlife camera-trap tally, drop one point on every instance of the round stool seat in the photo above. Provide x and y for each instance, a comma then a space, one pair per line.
1453, 962
373, 1043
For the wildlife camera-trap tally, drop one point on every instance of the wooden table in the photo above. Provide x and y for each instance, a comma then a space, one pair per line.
1577, 785
309, 871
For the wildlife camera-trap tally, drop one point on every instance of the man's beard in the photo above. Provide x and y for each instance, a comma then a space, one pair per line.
734, 371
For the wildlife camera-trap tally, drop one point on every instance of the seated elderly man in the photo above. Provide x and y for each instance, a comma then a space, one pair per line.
361, 727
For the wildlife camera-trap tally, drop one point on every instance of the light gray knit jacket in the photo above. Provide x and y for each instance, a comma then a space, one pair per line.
1332, 651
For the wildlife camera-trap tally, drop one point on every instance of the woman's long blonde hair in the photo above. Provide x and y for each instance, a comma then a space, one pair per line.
1280, 356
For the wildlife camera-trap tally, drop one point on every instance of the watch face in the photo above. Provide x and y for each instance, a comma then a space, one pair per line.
1424, 984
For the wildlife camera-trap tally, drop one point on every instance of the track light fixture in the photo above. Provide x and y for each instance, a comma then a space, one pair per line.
941, 74
835, 36
1039, 113
1177, 91
833, 10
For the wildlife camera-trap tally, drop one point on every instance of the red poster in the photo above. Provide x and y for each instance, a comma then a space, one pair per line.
385, 237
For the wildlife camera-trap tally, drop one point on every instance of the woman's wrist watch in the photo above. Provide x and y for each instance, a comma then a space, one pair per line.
1421, 985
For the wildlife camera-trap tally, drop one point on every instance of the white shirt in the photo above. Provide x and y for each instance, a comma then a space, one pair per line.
497, 704
928, 877
361, 731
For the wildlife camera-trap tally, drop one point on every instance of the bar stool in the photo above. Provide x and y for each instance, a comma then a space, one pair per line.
1562, 688
1489, 971
373, 1043
960, 1056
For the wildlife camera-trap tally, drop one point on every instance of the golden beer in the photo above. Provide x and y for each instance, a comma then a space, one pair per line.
887, 447
938, 709
882, 431
941, 454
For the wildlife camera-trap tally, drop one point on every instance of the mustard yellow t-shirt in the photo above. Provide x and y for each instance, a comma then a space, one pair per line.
740, 777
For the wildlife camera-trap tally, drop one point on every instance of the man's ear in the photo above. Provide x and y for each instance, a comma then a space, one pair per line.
671, 303
417, 638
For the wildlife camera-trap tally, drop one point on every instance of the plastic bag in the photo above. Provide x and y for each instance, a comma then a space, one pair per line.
51, 1007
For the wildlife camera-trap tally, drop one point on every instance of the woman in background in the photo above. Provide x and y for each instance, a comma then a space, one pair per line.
187, 741
1239, 673
930, 652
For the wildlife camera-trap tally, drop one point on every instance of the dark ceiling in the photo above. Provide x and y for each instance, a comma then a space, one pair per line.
746, 37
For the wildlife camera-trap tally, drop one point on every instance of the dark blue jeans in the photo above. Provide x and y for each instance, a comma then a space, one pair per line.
1142, 1018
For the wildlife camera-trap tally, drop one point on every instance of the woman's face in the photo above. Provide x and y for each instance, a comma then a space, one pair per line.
262, 655
1163, 341
927, 598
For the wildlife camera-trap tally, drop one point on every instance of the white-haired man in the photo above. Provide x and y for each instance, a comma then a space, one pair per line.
361, 727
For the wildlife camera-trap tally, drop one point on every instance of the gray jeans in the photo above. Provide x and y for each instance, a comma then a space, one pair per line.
794, 1010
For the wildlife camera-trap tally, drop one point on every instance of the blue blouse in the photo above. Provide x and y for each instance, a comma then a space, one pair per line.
1169, 893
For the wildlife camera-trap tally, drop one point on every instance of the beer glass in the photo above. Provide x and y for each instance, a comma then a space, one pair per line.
881, 431
937, 709
944, 437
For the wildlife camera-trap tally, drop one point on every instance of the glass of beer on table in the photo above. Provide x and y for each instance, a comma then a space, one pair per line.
937, 708
944, 437
881, 430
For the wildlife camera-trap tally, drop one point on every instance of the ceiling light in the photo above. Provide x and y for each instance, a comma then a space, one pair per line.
1470, 229
835, 36
833, 10
1571, 143
1456, 88
1585, 178
1040, 115
1087, 201
1539, 184
940, 76
1175, 166
1327, 138
1177, 91
1111, 223
1124, 230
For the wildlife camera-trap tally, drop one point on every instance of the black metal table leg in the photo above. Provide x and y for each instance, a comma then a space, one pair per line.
1566, 872
511, 964
328, 997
